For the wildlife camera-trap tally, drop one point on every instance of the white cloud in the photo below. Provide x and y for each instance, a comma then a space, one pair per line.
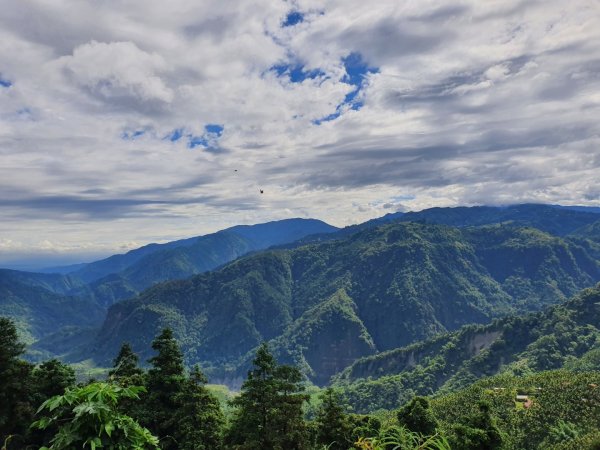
118, 70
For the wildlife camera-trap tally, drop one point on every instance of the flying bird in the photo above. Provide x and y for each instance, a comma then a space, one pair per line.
261, 191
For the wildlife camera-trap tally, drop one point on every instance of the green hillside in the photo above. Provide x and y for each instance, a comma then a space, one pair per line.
566, 335
379, 289
38, 311
563, 414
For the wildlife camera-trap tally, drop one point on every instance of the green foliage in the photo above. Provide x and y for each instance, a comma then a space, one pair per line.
165, 383
400, 438
199, 417
88, 417
125, 365
556, 397
334, 428
417, 416
14, 374
477, 431
269, 412
562, 431
564, 335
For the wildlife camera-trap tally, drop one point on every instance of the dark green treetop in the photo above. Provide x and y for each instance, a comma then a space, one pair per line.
125, 364
418, 417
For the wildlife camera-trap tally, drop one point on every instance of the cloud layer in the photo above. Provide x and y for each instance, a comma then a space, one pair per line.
126, 122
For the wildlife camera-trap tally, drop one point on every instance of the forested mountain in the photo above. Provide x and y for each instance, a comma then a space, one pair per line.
60, 309
549, 218
565, 335
123, 276
39, 304
554, 219
326, 303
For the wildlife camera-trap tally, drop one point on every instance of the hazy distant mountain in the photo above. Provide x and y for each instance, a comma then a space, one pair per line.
325, 304
39, 304
250, 237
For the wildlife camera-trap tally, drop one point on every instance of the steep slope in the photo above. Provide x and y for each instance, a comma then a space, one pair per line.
330, 335
590, 231
395, 284
567, 335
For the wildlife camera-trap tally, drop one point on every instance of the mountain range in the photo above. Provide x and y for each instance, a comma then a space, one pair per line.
324, 304
322, 297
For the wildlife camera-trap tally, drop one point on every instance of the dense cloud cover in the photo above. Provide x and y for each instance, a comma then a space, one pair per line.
123, 122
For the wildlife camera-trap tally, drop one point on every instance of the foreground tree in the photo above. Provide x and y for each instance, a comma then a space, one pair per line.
179, 408
478, 431
333, 426
88, 417
269, 412
418, 417
199, 417
49, 379
165, 384
15, 408
125, 367
126, 372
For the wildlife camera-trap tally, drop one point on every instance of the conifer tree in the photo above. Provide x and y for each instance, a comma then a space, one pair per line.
269, 408
126, 373
334, 427
125, 366
49, 379
199, 418
165, 383
15, 408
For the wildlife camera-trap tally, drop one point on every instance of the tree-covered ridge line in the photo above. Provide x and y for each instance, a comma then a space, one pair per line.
565, 335
402, 282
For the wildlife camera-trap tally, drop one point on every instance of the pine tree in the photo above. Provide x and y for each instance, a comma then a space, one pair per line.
199, 418
125, 366
126, 373
15, 408
334, 427
165, 383
269, 408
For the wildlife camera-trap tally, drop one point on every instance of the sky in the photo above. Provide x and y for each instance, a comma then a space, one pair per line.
125, 122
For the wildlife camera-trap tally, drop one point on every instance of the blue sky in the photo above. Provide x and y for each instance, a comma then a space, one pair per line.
122, 125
